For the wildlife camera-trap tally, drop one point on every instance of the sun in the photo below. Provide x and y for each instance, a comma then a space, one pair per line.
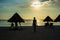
36, 4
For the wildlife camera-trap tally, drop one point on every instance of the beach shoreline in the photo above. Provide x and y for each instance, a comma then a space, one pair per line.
41, 33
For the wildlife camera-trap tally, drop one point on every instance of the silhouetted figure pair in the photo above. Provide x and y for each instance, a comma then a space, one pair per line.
34, 24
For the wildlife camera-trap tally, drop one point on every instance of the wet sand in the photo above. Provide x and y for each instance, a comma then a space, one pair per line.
42, 33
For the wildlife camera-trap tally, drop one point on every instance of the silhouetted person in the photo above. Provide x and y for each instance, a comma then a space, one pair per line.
12, 25
20, 28
34, 24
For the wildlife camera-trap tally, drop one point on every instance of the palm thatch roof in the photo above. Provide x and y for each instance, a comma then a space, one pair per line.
57, 19
16, 18
48, 19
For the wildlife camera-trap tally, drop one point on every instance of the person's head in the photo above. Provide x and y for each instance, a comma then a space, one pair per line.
34, 18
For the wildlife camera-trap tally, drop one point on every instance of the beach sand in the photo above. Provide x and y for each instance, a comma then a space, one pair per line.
42, 33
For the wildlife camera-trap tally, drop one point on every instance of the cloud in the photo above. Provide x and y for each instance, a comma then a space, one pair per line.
51, 3
44, 0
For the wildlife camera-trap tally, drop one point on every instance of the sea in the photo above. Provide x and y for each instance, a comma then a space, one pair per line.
5, 23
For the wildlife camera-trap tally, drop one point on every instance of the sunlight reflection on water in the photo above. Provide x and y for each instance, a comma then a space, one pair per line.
27, 23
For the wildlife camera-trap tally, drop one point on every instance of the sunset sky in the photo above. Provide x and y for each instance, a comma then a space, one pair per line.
28, 9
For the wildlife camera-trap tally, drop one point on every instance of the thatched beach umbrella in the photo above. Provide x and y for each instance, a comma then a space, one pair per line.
57, 19
16, 18
48, 19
